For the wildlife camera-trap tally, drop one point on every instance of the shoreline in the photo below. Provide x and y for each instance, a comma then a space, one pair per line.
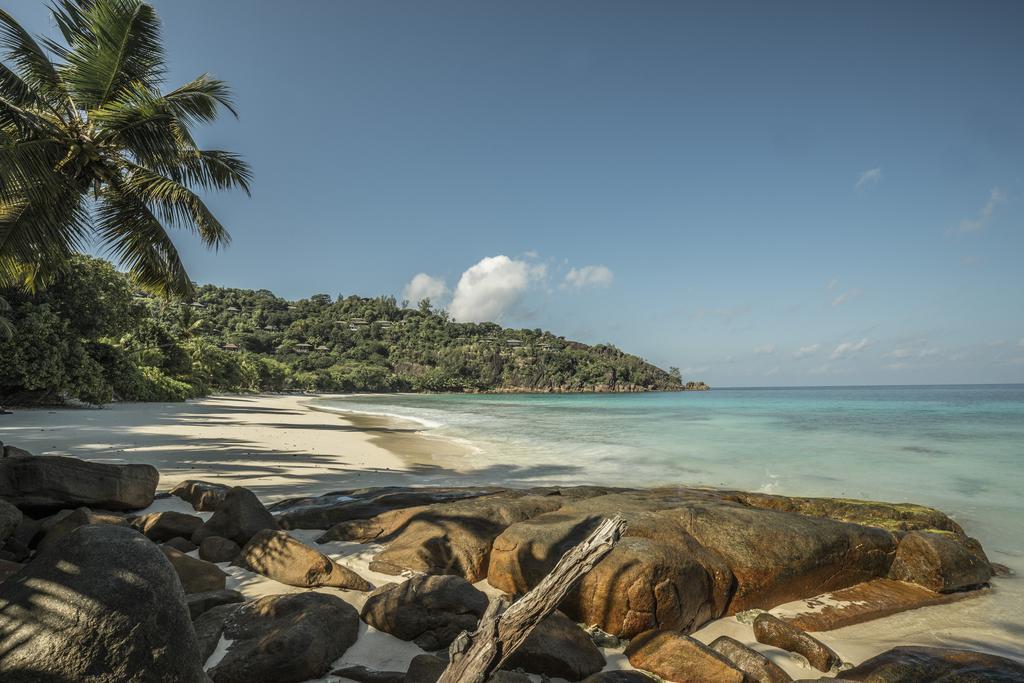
281, 446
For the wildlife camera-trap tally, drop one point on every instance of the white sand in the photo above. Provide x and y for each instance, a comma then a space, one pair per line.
278, 447
274, 445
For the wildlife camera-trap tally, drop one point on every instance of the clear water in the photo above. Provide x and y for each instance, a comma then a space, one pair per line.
957, 448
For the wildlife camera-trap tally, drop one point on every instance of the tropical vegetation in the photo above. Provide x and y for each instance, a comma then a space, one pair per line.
93, 336
93, 153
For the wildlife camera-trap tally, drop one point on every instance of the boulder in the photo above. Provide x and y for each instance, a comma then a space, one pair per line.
425, 669
104, 606
558, 647
204, 602
913, 664
279, 556
657, 576
163, 526
771, 630
680, 658
286, 638
217, 549
446, 538
59, 526
209, 626
203, 496
196, 576
10, 518
941, 562
181, 544
47, 483
757, 667
778, 557
428, 610
323, 512
238, 517
890, 516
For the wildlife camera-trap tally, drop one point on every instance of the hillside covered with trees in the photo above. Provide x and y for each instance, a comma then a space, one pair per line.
92, 336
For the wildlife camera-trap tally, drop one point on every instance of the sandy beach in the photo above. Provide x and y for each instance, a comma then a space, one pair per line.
275, 445
280, 446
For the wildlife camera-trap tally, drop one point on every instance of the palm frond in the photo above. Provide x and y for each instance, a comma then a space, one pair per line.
135, 237
34, 67
175, 204
111, 45
6, 328
36, 238
215, 169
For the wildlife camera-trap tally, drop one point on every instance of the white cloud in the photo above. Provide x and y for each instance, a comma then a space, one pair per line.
872, 176
424, 286
900, 353
833, 283
928, 352
895, 366
996, 343
844, 297
773, 371
995, 198
805, 351
1021, 342
493, 287
848, 348
588, 276
765, 350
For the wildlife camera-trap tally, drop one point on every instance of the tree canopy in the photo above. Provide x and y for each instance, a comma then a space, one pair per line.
94, 152
93, 336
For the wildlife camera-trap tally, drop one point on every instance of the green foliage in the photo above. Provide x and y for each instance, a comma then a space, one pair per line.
91, 337
91, 150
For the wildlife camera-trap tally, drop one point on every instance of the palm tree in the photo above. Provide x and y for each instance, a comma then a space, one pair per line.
93, 153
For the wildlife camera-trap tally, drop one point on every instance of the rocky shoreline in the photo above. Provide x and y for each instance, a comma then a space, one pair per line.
92, 590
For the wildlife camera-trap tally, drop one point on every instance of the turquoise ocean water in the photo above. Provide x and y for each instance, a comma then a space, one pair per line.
958, 448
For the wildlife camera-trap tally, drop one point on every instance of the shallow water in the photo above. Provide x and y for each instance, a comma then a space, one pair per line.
957, 448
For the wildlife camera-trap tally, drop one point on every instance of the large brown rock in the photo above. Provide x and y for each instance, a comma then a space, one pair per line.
238, 517
196, 576
940, 562
777, 557
163, 526
286, 638
620, 676
657, 576
279, 556
428, 610
890, 516
105, 606
446, 538
204, 496
936, 665
680, 658
757, 667
47, 483
323, 512
771, 630
558, 647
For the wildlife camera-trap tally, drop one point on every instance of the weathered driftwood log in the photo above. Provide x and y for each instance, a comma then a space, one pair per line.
504, 627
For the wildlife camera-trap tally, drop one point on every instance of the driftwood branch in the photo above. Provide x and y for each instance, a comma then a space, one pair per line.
504, 627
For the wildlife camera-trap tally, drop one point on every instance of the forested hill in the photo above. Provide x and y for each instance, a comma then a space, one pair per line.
91, 336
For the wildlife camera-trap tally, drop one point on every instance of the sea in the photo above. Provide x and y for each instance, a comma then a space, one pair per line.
959, 448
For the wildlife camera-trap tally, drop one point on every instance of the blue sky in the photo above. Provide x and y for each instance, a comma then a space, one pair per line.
761, 194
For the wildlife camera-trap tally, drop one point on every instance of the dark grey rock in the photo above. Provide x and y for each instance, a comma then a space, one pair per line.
47, 483
428, 610
105, 606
